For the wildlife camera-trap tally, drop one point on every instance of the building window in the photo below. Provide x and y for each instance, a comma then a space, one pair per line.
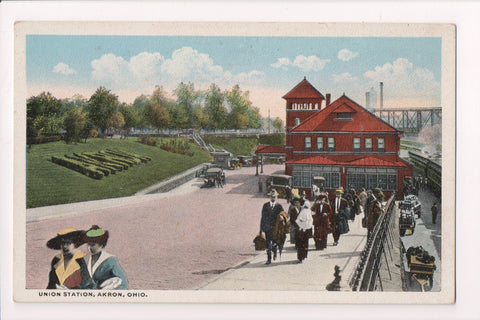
368, 144
331, 144
344, 115
308, 144
319, 144
297, 121
302, 176
356, 144
370, 178
380, 145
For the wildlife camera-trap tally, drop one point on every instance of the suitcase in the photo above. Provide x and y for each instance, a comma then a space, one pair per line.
259, 242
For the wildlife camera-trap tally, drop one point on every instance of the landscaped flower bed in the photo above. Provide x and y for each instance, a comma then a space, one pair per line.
100, 164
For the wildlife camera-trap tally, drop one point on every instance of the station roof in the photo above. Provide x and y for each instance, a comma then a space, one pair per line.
327, 119
266, 149
365, 161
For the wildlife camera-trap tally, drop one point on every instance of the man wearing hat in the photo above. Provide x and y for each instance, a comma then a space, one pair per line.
68, 269
339, 223
102, 266
375, 209
270, 211
321, 221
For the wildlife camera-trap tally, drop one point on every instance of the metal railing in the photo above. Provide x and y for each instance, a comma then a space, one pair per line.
379, 247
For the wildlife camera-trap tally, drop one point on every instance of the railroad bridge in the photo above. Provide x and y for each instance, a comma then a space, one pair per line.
410, 120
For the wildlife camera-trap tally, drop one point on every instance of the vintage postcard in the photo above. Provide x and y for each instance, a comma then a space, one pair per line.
234, 162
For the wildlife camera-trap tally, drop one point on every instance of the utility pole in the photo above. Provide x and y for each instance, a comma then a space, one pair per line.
269, 121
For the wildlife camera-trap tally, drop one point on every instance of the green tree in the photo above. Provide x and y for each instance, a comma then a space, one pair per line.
45, 125
130, 115
116, 121
215, 113
139, 106
74, 123
278, 123
77, 101
46, 106
156, 111
188, 105
239, 104
101, 106
254, 117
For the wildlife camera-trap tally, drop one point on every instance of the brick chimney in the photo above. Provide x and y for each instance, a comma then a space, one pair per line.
328, 99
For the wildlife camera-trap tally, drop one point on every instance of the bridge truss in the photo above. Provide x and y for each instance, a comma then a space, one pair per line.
410, 121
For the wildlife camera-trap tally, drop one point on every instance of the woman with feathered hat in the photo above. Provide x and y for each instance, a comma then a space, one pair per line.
68, 269
102, 266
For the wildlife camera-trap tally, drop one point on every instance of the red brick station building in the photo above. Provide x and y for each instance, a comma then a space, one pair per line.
340, 141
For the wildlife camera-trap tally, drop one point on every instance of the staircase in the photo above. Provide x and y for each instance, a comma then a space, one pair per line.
201, 143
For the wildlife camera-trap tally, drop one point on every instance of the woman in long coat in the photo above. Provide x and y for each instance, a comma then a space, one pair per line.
321, 221
68, 269
102, 266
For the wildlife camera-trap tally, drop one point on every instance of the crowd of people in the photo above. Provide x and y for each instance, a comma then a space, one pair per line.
305, 220
73, 269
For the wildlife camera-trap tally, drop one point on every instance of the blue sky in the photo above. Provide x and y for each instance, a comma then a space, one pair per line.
268, 67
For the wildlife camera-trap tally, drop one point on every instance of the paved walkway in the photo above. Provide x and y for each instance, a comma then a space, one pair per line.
192, 238
312, 275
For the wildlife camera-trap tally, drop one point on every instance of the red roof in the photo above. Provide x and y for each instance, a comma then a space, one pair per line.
363, 120
270, 149
365, 161
344, 108
303, 90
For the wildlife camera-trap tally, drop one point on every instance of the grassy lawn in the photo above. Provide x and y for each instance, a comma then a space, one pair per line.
49, 183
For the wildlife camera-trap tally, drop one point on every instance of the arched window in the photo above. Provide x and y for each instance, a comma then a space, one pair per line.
297, 121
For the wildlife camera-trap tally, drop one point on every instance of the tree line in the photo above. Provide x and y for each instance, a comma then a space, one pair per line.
81, 118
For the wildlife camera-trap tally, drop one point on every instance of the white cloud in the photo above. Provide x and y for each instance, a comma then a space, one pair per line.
187, 64
64, 69
109, 69
310, 63
145, 64
146, 70
343, 78
282, 63
404, 80
346, 55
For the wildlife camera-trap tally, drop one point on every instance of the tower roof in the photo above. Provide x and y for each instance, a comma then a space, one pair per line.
303, 90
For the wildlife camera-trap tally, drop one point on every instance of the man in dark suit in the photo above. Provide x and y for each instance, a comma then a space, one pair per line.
339, 219
270, 211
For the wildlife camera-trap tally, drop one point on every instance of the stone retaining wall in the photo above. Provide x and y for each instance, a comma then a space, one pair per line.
172, 182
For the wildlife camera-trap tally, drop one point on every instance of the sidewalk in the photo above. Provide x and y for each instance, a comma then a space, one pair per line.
312, 275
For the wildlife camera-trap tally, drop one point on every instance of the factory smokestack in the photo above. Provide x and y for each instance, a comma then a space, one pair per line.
381, 95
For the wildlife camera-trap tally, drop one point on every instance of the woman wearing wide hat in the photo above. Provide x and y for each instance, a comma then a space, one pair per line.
68, 269
102, 266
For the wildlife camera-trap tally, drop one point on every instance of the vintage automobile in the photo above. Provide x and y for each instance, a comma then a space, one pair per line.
245, 161
406, 221
234, 163
213, 176
411, 201
279, 182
